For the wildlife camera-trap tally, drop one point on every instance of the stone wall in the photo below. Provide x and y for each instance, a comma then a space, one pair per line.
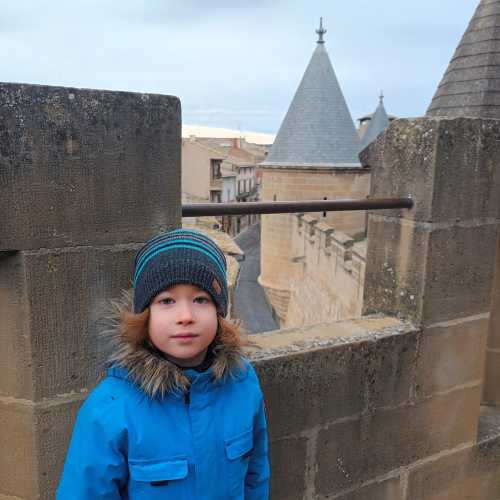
361, 410
327, 278
381, 408
85, 177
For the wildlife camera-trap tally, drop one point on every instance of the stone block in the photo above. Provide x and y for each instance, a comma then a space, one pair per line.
99, 167
460, 268
66, 296
410, 262
18, 459
287, 459
472, 473
451, 354
491, 389
34, 440
53, 423
323, 385
15, 354
386, 489
440, 164
353, 451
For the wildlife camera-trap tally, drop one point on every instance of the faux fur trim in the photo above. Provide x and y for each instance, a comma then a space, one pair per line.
147, 367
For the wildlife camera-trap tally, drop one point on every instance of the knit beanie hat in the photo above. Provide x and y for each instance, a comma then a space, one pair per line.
180, 256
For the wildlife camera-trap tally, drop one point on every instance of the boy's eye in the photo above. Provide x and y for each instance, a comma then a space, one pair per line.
201, 299
167, 300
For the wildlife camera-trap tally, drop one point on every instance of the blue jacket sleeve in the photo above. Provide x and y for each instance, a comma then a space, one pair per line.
257, 478
95, 467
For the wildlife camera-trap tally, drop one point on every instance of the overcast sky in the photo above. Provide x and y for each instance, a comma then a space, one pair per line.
235, 63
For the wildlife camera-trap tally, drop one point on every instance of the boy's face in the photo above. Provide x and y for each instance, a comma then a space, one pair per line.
182, 323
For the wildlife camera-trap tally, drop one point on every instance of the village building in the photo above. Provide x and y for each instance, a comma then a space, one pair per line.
222, 170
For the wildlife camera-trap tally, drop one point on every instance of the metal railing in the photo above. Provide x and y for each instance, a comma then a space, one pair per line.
284, 207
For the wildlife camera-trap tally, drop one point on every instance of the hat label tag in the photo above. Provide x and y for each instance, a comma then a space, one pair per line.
216, 286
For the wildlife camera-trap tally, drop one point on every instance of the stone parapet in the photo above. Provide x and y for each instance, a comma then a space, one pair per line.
79, 156
425, 260
85, 177
327, 275
348, 406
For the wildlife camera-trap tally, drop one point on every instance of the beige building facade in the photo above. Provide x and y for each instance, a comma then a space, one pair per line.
221, 171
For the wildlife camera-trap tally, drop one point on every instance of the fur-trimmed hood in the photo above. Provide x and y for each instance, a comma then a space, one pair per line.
148, 368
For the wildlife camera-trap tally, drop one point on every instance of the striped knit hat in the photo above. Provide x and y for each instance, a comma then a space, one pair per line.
180, 256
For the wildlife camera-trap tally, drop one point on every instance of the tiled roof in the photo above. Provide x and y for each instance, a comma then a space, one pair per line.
471, 84
318, 129
378, 123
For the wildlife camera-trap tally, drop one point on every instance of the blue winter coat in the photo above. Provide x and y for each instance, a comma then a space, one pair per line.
138, 437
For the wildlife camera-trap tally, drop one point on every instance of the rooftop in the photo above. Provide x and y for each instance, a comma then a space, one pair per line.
318, 129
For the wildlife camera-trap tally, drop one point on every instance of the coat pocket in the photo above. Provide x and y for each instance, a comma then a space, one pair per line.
159, 479
238, 451
239, 445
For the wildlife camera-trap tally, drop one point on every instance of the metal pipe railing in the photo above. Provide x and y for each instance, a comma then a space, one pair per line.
285, 207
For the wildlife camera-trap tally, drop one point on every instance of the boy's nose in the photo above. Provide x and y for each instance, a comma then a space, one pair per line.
184, 313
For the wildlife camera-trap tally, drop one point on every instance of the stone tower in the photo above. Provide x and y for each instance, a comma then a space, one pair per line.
314, 157
471, 87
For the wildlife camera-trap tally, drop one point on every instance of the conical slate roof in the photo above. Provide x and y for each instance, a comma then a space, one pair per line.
471, 84
378, 124
318, 130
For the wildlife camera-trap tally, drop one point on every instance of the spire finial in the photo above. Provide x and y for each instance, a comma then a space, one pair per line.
381, 97
321, 31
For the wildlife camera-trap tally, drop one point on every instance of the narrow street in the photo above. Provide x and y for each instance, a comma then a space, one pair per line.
250, 302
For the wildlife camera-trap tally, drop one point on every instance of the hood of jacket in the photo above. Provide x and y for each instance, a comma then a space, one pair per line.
149, 369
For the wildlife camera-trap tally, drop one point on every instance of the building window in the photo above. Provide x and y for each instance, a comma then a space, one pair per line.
215, 169
215, 196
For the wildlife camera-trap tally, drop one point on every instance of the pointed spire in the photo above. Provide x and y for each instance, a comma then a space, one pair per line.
378, 123
318, 130
321, 31
471, 84
381, 98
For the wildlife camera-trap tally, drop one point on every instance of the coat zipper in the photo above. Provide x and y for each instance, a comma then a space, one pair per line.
187, 397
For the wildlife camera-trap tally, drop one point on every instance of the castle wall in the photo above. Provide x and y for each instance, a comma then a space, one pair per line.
276, 233
327, 275
386, 406
363, 410
381, 408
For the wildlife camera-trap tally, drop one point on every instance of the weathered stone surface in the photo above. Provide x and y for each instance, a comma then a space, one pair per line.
387, 489
354, 451
18, 459
15, 353
95, 167
324, 385
450, 167
428, 273
36, 437
287, 473
67, 292
471, 473
53, 423
491, 394
451, 354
